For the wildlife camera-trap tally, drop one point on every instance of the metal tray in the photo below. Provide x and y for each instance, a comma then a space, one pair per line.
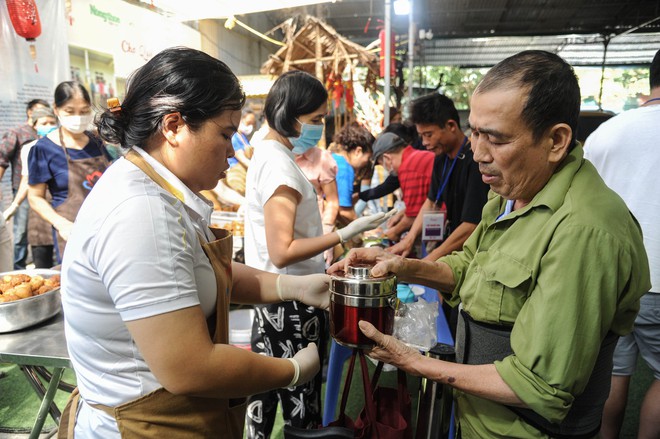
24, 313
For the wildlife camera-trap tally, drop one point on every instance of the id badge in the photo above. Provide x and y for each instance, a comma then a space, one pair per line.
433, 228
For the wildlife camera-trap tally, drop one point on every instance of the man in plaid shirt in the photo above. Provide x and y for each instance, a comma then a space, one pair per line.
413, 168
10, 154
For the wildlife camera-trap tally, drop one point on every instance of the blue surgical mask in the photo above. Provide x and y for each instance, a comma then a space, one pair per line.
309, 136
43, 131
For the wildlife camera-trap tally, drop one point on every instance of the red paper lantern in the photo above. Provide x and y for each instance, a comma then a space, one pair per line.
25, 18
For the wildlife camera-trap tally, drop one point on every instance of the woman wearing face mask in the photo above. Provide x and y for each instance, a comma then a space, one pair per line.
67, 162
284, 234
40, 236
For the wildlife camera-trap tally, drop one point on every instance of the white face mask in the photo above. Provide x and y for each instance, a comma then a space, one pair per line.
76, 124
389, 170
246, 129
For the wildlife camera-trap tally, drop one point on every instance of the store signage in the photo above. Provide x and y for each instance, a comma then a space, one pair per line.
129, 34
144, 53
106, 16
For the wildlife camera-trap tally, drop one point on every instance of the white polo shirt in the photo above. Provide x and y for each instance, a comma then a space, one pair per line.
134, 252
273, 165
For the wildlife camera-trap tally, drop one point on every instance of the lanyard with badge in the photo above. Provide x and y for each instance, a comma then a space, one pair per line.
435, 222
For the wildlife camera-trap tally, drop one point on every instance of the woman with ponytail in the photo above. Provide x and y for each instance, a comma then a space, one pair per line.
147, 282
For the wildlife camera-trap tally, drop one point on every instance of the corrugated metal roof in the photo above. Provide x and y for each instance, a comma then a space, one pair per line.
475, 18
578, 50
575, 29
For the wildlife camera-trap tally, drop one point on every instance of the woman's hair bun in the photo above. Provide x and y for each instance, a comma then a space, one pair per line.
112, 125
176, 80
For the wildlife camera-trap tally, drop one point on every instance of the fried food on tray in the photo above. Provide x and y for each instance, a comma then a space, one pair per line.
21, 286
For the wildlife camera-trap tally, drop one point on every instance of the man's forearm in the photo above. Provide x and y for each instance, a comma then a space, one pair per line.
390, 184
437, 275
480, 380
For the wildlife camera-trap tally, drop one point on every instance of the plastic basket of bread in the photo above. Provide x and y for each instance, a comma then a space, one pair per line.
28, 297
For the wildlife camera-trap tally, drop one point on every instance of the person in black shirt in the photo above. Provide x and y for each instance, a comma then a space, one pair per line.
456, 181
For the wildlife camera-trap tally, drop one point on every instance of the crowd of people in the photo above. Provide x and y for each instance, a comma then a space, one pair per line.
545, 251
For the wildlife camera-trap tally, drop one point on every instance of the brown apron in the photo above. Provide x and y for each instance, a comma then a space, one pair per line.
160, 414
83, 174
40, 232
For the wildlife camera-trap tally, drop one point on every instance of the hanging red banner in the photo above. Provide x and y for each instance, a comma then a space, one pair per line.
381, 35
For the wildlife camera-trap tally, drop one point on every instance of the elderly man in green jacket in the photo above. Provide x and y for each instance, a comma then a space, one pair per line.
548, 281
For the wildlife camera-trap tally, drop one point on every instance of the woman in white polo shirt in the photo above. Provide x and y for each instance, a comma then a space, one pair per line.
284, 234
146, 282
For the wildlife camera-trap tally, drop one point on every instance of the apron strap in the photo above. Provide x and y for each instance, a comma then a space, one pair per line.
66, 153
139, 161
105, 409
68, 418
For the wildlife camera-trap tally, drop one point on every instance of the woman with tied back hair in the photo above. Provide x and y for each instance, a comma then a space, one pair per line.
146, 283
284, 234
67, 163
354, 154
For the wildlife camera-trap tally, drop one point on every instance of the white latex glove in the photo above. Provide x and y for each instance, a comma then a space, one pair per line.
10, 211
312, 289
364, 224
306, 363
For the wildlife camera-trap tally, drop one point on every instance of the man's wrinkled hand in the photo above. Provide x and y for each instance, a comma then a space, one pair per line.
388, 349
384, 262
403, 247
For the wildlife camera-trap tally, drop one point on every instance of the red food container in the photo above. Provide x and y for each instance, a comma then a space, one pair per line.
358, 296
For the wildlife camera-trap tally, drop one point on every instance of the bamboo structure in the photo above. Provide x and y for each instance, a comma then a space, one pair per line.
318, 49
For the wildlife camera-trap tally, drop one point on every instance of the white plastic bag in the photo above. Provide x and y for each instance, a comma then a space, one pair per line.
415, 324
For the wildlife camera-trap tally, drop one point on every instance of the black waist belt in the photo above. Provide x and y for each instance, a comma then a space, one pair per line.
483, 343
